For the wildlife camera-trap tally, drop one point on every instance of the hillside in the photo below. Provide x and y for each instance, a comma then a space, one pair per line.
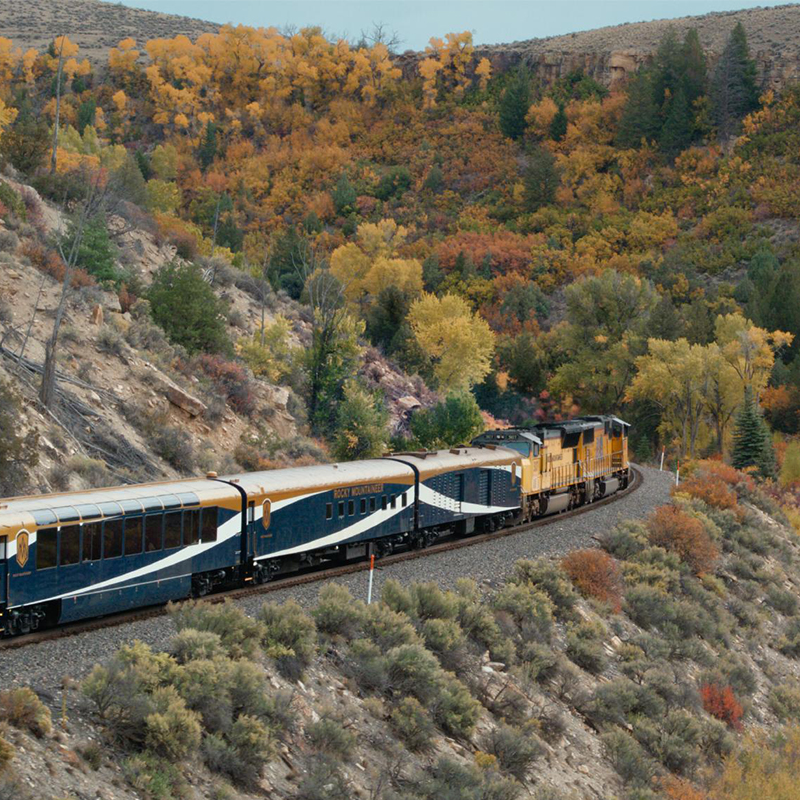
94, 25
663, 665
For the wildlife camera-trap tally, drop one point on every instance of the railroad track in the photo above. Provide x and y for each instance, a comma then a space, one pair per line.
313, 575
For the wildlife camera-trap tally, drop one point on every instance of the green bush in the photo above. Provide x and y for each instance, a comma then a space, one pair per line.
399, 599
446, 640
784, 701
323, 781
538, 662
388, 628
545, 575
628, 758
205, 687
328, 736
430, 602
674, 741
449, 780
456, 420
411, 669
782, 600
242, 753
171, 729
187, 309
96, 253
239, 634
648, 606
514, 749
789, 643
454, 709
337, 613
585, 647
367, 664
155, 777
6, 755
290, 637
626, 540
191, 644
412, 725
614, 702
529, 608
22, 708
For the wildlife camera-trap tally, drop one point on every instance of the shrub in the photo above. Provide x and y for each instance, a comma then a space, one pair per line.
171, 729
514, 749
268, 352
253, 746
454, 708
6, 755
538, 661
173, 444
155, 777
545, 575
596, 575
628, 758
649, 606
368, 665
23, 709
290, 637
411, 669
388, 628
430, 602
782, 600
449, 780
784, 701
185, 306
323, 781
445, 638
111, 341
412, 725
238, 634
789, 643
232, 381
330, 737
530, 609
9, 241
191, 645
585, 647
712, 491
676, 531
721, 703
338, 613
614, 702
398, 598
96, 252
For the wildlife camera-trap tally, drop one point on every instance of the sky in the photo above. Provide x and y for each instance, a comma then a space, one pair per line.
415, 21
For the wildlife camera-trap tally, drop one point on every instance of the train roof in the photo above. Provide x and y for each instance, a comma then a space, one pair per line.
66, 507
430, 463
293, 480
498, 437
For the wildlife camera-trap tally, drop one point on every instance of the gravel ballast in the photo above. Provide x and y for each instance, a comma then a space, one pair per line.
43, 666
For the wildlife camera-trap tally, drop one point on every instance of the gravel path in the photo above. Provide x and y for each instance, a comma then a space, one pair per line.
43, 666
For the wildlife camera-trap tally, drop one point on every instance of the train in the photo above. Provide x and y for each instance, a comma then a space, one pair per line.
77, 555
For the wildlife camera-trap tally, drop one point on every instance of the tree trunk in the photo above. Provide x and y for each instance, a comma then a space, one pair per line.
54, 156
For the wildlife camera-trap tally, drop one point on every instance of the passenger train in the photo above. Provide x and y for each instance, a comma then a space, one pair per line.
71, 556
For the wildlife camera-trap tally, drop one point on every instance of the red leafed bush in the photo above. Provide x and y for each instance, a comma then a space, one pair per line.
50, 262
713, 468
720, 702
231, 379
676, 531
595, 574
710, 490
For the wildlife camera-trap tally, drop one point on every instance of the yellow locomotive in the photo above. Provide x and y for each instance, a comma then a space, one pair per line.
566, 464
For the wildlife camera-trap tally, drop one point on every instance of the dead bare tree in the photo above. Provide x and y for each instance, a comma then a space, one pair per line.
47, 389
59, 74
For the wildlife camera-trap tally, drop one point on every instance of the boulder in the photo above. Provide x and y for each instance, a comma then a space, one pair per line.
97, 315
185, 401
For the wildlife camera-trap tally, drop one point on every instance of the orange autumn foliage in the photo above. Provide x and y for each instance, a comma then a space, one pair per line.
595, 574
721, 703
712, 491
676, 531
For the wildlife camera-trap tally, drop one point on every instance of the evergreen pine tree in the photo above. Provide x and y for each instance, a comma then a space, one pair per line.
640, 115
558, 127
733, 91
752, 444
208, 149
676, 134
541, 179
694, 67
514, 104
668, 72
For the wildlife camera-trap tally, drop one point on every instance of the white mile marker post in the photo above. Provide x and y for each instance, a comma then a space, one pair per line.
371, 573
661, 465
678, 473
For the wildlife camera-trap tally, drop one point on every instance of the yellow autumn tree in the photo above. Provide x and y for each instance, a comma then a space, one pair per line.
371, 264
458, 342
7, 116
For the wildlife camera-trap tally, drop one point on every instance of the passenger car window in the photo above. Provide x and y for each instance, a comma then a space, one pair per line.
92, 540
363, 507
209, 528
191, 526
46, 547
70, 545
328, 510
133, 536
112, 538
153, 532
172, 530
